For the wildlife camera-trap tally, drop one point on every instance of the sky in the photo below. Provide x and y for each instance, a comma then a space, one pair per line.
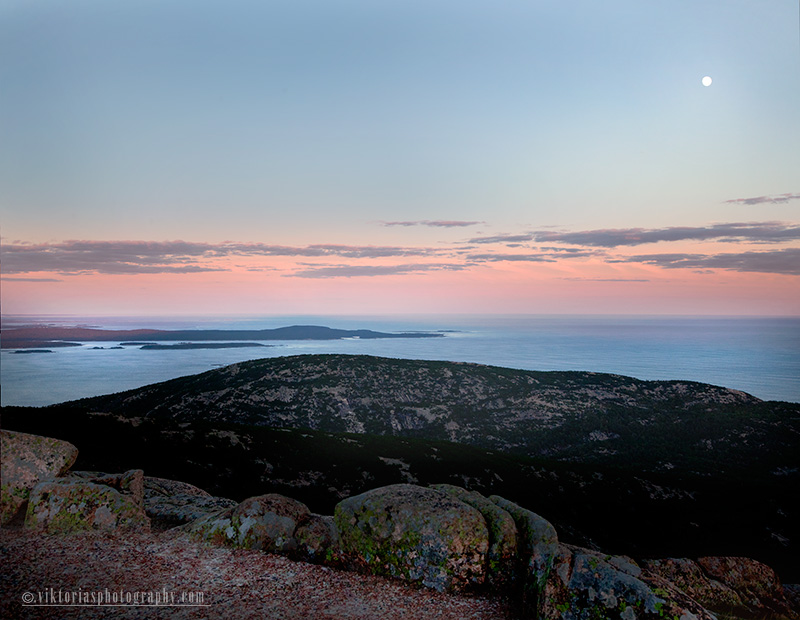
164, 157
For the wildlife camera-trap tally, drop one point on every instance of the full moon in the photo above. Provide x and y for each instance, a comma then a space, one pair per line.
706, 81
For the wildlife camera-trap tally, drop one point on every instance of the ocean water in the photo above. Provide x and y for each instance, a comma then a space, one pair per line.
757, 355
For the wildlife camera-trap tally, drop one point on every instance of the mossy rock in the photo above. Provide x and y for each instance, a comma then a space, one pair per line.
214, 528
24, 461
265, 522
589, 585
537, 545
170, 503
318, 540
692, 579
129, 483
69, 505
268, 522
414, 533
501, 558
757, 585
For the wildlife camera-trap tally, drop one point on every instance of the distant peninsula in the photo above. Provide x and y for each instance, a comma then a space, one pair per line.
37, 336
200, 345
33, 351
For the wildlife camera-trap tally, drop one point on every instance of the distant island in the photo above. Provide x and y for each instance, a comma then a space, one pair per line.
37, 336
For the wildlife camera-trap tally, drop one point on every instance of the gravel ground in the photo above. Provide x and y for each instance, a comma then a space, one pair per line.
234, 584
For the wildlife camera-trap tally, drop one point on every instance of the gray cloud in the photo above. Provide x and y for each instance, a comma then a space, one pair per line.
371, 251
503, 239
572, 251
353, 271
435, 223
109, 257
606, 279
786, 262
316, 250
757, 200
765, 232
530, 258
7, 279
547, 257
148, 257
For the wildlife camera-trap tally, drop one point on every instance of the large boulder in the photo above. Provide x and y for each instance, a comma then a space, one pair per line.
318, 540
269, 522
24, 461
68, 504
587, 585
169, 503
215, 528
414, 533
266, 522
129, 483
501, 558
537, 545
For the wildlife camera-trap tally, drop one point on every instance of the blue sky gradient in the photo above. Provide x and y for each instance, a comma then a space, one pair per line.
315, 122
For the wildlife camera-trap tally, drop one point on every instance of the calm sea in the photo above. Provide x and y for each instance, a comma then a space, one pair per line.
757, 355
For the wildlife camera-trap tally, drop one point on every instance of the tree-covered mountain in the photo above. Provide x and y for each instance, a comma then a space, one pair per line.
567, 416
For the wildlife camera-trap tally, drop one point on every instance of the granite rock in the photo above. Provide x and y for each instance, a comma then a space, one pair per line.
414, 533
24, 461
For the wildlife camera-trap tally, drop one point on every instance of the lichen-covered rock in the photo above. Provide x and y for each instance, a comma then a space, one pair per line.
587, 585
129, 483
501, 558
692, 579
414, 533
165, 486
170, 503
537, 545
24, 461
68, 504
266, 522
318, 540
755, 583
215, 528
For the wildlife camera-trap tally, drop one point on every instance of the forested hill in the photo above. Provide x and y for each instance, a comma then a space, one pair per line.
567, 416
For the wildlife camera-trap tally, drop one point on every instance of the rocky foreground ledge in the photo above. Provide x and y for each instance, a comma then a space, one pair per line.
450, 552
